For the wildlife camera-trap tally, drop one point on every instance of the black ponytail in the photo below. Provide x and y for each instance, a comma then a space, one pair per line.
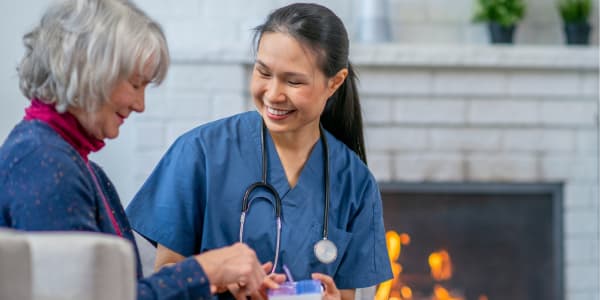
323, 32
342, 115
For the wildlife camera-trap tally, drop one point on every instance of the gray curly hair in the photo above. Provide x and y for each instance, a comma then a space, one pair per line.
82, 48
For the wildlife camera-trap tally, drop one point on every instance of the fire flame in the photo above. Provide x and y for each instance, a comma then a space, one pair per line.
393, 246
406, 292
440, 265
394, 243
440, 293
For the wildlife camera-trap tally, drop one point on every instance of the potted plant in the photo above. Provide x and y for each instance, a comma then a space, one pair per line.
502, 17
575, 14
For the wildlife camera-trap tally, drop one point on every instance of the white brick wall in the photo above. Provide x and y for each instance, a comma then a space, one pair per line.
581, 222
564, 112
396, 139
398, 82
581, 251
589, 82
543, 83
444, 111
429, 166
206, 77
381, 164
189, 105
539, 140
465, 139
496, 111
582, 278
469, 82
227, 104
580, 196
587, 141
592, 294
149, 136
577, 169
377, 110
504, 167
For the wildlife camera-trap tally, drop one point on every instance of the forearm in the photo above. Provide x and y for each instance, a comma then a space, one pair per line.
166, 257
348, 294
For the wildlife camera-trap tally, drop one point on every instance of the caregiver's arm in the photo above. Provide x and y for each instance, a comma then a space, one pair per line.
166, 257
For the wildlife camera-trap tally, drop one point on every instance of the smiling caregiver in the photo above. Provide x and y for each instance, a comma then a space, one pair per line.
298, 162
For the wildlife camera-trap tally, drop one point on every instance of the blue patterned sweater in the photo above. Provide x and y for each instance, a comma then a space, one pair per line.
46, 185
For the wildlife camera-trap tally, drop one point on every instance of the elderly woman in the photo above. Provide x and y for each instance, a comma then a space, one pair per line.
85, 70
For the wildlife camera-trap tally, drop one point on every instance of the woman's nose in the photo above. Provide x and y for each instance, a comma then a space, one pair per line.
139, 103
274, 91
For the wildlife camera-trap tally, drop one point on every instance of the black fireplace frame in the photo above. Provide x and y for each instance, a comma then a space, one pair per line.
554, 190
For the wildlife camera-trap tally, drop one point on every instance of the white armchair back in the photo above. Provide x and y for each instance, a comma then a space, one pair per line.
73, 265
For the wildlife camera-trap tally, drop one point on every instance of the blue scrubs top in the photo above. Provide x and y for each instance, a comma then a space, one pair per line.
192, 203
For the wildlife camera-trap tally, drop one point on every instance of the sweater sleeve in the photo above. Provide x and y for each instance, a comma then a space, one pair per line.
185, 280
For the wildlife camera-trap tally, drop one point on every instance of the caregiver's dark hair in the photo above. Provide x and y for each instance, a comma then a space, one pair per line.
324, 33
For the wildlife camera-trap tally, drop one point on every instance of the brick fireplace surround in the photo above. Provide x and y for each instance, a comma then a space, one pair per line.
434, 114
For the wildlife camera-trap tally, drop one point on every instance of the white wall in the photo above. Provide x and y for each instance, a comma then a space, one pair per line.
16, 18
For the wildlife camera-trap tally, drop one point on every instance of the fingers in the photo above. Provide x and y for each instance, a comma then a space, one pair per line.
327, 281
272, 281
252, 273
267, 267
259, 295
236, 291
217, 289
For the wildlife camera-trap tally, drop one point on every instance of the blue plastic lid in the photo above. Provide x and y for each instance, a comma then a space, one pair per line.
297, 288
308, 286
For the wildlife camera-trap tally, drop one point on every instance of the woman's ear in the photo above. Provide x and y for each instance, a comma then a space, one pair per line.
336, 81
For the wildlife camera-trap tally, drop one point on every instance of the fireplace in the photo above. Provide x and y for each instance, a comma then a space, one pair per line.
474, 240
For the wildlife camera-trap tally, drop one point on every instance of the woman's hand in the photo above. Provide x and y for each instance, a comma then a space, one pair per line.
331, 291
233, 265
271, 281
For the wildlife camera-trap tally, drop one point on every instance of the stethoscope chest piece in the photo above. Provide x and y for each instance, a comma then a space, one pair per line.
325, 251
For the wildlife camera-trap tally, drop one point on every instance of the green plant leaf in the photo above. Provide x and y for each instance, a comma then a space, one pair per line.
504, 12
574, 11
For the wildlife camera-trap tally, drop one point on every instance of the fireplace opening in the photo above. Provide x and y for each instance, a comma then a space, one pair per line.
478, 241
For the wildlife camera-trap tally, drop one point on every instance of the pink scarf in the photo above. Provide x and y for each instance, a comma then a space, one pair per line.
66, 125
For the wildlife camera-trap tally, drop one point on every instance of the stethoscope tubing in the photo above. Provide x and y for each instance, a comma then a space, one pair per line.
264, 184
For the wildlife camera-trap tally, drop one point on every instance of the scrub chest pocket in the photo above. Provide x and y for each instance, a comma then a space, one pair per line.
300, 250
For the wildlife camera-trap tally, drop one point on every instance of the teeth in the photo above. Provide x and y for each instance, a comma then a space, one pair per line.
277, 112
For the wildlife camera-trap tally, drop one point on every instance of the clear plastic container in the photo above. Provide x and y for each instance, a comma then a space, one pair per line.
297, 290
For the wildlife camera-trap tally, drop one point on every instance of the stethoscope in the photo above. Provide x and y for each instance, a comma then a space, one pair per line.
325, 250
